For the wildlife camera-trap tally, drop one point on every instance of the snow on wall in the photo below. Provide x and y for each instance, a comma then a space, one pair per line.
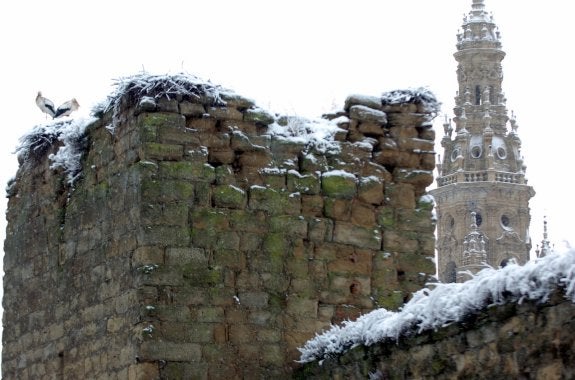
449, 303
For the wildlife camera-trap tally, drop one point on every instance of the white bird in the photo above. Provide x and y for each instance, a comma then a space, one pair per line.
45, 105
67, 108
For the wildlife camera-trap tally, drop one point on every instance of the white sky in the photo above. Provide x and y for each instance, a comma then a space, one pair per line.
297, 56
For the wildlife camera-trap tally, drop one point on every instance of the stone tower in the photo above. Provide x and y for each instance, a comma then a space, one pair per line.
185, 233
482, 196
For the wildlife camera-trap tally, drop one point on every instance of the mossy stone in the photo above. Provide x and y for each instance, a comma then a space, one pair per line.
276, 246
305, 184
391, 301
258, 115
386, 218
339, 186
187, 170
202, 276
292, 226
229, 197
161, 119
272, 201
162, 151
208, 219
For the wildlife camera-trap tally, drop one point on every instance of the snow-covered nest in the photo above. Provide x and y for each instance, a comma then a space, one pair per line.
316, 134
419, 96
71, 132
449, 303
179, 86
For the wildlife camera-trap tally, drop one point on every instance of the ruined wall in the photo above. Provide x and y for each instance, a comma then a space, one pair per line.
198, 244
514, 341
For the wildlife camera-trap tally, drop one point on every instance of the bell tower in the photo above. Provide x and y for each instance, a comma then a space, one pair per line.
482, 196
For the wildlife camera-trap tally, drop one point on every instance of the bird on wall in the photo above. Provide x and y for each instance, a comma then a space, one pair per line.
45, 105
67, 108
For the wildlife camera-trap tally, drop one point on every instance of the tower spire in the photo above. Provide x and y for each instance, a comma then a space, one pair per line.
478, 5
481, 173
545, 244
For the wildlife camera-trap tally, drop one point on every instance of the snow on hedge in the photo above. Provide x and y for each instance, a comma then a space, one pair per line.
431, 309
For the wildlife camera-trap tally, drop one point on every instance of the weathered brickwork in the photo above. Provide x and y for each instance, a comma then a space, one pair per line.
199, 245
513, 341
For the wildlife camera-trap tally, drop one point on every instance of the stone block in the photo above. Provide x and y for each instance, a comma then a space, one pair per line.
338, 209
371, 129
290, 226
366, 114
217, 141
272, 355
156, 350
258, 115
254, 300
191, 109
363, 214
373, 102
357, 236
415, 220
400, 241
172, 135
302, 307
175, 214
185, 255
164, 236
370, 190
229, 196
224, 113
258, 158
305, 184
235, 100
320, 230
339, 184
161, 119
202, 276
248, 221
272, 201
427, 161
207, 315
407, 119
228, 258
312, 205
204, 124
187, 170
166, 191
249, 128
418, 178
400, 195
313, 163
148, 255
357, 262
167, 105
161, 151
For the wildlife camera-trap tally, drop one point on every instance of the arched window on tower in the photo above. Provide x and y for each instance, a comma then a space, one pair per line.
492, 95
477, 95
450, 272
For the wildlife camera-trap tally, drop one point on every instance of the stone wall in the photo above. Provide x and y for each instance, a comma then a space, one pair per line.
513, 341
198, 244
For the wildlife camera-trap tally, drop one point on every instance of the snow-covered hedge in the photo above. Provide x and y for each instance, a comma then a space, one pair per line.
431, 309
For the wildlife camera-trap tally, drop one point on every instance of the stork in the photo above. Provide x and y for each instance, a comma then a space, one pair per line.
67, 108
45, 105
